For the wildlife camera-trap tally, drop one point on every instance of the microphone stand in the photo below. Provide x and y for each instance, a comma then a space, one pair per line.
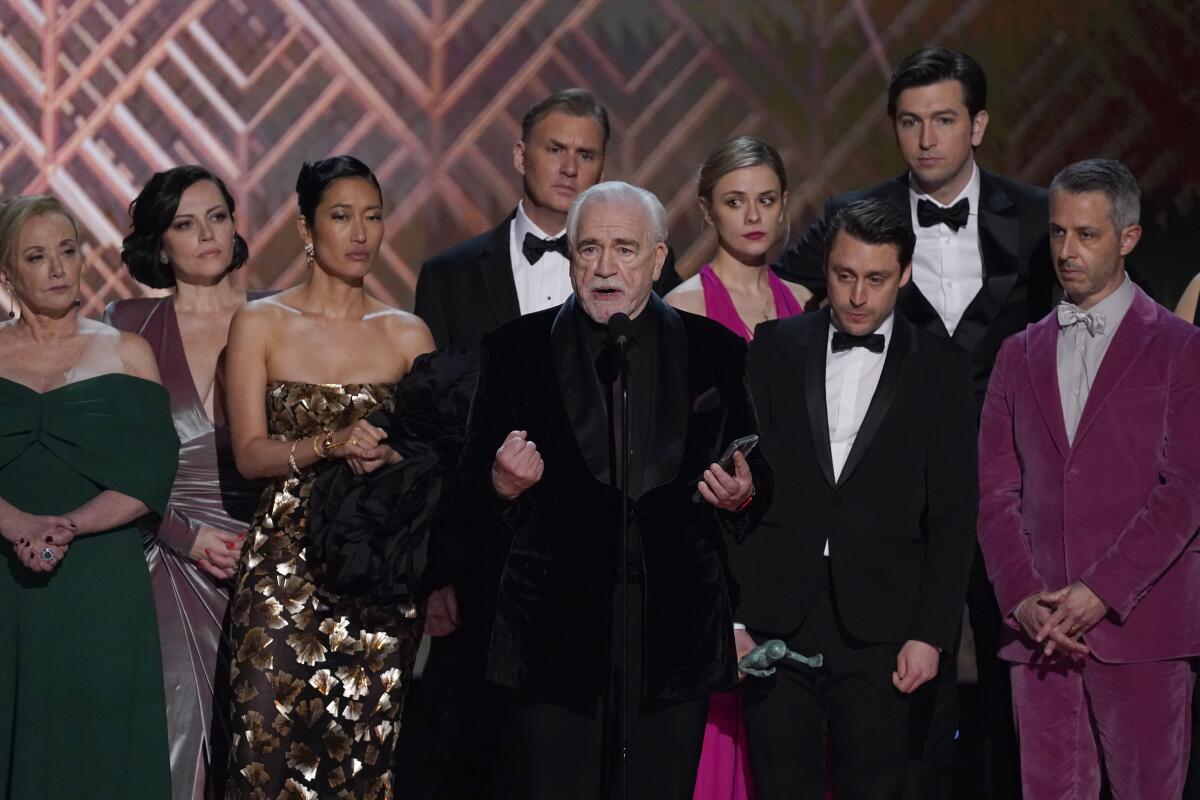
617, 342
624, 602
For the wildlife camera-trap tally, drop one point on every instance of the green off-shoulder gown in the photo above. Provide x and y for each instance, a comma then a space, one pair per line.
81, 690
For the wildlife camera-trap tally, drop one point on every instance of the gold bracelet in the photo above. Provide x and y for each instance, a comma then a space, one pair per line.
323, 444
292, 458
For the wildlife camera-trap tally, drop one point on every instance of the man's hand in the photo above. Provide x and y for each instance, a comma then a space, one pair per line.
743, 643
441, 612
916, 664
517, 467
725, 491
1077, 609
1031, 614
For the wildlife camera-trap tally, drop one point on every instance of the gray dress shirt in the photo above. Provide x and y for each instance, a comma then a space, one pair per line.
1083, 339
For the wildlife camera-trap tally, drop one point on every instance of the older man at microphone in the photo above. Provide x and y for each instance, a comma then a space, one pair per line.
542, 454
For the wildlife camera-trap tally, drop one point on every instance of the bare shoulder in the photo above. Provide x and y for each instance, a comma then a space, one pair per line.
688, 296
407, 332
801, 293
259, 317
1187, 303
136, 357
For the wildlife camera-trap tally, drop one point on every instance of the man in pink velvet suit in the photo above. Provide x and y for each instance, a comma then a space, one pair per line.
1090, 500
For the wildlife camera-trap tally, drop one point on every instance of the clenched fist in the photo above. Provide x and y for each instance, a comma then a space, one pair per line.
517, 467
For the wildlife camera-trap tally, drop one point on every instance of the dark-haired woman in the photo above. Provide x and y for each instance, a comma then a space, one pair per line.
318, 678
183, 238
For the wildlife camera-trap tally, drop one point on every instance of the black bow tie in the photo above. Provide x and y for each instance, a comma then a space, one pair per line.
930, 213
534, 248
847, 341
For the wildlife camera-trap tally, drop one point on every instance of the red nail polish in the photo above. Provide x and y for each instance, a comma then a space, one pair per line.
230, 545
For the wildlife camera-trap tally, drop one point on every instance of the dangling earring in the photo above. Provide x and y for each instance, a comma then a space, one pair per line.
162, 258
12, 304
310, 255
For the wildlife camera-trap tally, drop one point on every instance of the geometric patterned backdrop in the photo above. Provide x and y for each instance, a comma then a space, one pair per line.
99, 94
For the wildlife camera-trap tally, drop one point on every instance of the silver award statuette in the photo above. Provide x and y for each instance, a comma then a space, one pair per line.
760, 662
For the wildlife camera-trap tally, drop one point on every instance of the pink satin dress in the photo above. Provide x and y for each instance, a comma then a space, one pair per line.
724, 772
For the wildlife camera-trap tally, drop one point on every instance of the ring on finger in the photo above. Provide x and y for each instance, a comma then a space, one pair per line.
47, 554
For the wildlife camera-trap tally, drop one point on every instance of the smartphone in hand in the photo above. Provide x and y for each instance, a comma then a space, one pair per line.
741, 445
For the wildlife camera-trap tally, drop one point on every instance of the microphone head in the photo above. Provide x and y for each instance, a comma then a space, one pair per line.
619, 328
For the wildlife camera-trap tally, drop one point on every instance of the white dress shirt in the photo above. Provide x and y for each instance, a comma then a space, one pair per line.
947, 266
851, 378
542, 285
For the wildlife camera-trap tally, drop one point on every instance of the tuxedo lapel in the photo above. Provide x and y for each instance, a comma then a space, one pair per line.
814, 394
998, 232
910, 302
669, 415
1042, 357
903, 343
495, 270
579, 387
1136, 331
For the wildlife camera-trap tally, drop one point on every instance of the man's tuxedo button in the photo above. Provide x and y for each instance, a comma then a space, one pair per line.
837, 501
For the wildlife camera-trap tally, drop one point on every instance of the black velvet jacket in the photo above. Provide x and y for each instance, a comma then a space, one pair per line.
556, 591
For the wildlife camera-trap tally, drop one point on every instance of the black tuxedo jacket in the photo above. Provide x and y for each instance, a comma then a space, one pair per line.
1019, 286
468, 290
900, 519
556, 591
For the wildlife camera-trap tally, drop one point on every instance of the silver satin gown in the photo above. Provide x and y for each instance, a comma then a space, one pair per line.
191, 605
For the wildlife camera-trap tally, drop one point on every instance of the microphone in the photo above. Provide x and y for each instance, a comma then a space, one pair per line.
619, 329
608, 362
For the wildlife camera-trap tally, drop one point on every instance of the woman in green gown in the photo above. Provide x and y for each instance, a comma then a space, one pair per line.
87, 449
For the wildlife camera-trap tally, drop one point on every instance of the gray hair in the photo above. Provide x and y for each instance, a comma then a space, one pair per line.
1109, 177
620, 192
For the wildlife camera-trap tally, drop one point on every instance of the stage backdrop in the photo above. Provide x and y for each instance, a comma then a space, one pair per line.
99, 94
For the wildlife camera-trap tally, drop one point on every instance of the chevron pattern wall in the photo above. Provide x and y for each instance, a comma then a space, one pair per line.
99, 94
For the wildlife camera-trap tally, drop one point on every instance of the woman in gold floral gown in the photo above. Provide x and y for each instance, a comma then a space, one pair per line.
318, 678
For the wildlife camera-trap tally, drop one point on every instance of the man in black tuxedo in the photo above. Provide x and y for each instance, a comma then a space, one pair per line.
981, 272
537, 459
521, 265
865, 558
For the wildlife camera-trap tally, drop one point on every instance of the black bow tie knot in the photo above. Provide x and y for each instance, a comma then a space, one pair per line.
930, 213
845, 341
534, 247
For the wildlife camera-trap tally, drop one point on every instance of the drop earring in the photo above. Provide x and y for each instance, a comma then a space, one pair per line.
162, 258
310, 255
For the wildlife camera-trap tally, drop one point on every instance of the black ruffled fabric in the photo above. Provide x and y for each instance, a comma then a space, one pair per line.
370, 534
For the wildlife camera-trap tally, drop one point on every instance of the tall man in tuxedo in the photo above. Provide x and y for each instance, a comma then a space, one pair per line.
538, 459
521, 265
865, 558
1090, 502
981, 272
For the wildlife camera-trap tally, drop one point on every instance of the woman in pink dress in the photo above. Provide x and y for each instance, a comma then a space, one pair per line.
743, 195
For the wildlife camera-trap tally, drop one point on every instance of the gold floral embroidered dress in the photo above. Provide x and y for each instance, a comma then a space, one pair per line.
318, 680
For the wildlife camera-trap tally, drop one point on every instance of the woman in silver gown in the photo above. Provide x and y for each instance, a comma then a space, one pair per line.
183, 238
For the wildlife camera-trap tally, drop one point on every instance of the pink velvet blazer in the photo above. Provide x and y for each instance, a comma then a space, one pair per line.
1120, 507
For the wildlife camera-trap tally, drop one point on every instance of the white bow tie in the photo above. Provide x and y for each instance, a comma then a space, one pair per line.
1069, 315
